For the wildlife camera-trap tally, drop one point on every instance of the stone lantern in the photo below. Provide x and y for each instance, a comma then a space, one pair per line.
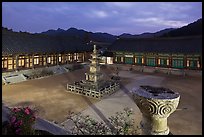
156, 105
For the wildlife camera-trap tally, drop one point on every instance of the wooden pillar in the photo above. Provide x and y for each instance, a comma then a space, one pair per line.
185, 61
12, 63
42, 60
200, 60
6, 62
156, 60
83, 60
72, 57
46, 60
143, 59
133, 59
76, 56
28, 58
16, 62
84, 56
170, 61
57, 59
123, 59
33, 61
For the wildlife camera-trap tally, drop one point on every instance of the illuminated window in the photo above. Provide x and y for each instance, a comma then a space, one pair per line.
4, 62
121, 59
158, 61
60, 59
10, 61
21, 62
69, 57
52, 60
36, 60
115, 59
109, 60
167, 62
135, 60
198, 64
49, 60
143, 60
187, 63
75, 56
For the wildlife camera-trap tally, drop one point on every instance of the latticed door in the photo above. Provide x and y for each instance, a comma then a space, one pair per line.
151, 61
177, 63
128, 60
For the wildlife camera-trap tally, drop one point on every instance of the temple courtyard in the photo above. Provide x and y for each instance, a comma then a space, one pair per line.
49, 96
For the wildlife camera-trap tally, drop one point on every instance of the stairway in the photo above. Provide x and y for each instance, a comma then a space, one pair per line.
15, 78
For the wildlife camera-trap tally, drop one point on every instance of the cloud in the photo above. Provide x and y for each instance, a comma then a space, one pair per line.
97, 14
120, 4
159, 21
175, 6
115, 17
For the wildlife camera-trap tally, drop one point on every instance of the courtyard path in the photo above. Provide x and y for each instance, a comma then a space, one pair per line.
120, 99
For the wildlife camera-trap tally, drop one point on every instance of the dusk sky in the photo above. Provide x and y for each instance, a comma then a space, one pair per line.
111, 17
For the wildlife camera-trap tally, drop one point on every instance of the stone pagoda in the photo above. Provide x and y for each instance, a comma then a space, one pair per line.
94, 85
94, 77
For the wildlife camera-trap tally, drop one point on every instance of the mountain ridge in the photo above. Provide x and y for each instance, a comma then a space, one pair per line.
194, 28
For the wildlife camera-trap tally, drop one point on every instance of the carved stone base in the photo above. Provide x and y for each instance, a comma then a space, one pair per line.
156, 105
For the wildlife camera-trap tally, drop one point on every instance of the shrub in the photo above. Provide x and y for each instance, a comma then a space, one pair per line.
120, 124
22, 120
45, 72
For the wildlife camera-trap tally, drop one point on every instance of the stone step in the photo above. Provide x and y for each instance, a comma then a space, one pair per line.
15, 78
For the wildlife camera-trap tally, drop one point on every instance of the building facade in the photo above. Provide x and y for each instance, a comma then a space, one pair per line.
179, 53
28, 51
31, 61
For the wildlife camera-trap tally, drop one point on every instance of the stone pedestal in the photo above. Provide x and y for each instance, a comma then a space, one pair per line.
156, 105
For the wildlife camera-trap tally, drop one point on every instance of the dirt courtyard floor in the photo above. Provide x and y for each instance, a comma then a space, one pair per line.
49, 96
189, 120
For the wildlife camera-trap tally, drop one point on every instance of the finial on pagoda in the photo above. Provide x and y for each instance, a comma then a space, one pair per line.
94, 49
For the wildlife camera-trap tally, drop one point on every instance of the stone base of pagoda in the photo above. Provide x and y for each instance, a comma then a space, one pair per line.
86, 90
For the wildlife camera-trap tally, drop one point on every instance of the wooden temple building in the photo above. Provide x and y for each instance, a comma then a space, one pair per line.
22, 50
177, 52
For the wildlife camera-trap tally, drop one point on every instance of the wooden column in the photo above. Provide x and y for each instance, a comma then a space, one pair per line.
76, 57
185, 61
12, 63
170, 61
42, 61
46, 60
200, 59
16, 62
133, 59
72, 57
33, 62
57, 59
83, 60
143, 59
156, 61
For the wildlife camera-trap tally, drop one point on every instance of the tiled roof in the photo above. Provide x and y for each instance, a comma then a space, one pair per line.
161, 45
25, 43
